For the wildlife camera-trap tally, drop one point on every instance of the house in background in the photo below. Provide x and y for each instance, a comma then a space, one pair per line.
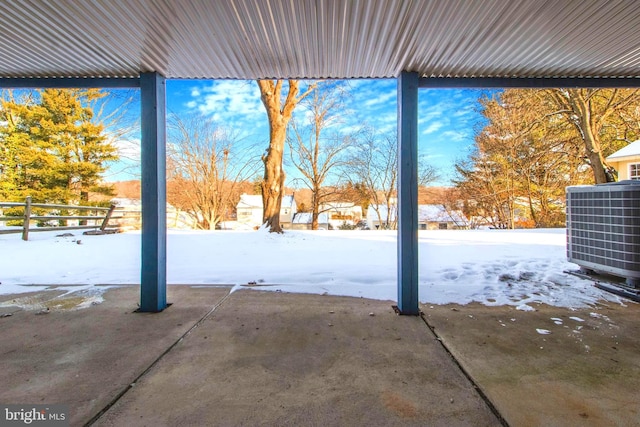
340, 213
302, 221
377, 216
436, 217
249, 211
128, 215
430, 217
626, 161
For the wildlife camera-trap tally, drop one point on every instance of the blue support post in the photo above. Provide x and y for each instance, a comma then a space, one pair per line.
153, 284
408, 193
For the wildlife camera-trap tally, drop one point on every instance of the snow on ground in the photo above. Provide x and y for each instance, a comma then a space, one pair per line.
494, 267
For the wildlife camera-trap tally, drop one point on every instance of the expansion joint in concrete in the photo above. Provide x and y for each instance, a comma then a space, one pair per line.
155, 362
476, 387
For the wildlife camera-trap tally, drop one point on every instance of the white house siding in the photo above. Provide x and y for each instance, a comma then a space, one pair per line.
430, 217
436, 217
340, 213
623, 159
302, 221
373, 222
249, 211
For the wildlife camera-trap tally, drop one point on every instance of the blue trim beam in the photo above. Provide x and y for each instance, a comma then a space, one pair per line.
69, 82
527, 83
408, 193
153, 284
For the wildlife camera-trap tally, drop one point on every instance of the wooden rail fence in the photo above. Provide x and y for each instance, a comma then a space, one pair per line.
98, 215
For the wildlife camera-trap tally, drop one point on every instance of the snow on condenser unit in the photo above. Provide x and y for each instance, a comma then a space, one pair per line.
603, 229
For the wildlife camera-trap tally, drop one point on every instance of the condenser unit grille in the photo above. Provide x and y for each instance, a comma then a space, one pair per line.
603, 227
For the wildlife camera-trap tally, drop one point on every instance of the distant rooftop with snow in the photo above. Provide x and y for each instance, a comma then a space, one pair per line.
426, 213
437, 213
632, 149
255, 201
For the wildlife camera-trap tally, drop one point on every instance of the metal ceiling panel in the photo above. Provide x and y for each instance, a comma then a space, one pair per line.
248, 39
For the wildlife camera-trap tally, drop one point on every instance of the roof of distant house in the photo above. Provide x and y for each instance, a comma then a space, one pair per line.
126, 202
255, 201
250, 201
426, 213
374, 210
288, 201
437, 213
341, 205
632, 149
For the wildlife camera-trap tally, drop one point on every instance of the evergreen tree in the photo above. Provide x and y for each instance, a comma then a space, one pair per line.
51, 146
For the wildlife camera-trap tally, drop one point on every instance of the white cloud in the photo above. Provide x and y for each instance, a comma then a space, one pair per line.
381, 99
430, 112
433, 127
369, 94
233, 104
128, 148
456, 136
228, 100
464, 111
431, 157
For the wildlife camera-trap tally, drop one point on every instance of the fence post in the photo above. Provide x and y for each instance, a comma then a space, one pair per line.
107, 217
27, 219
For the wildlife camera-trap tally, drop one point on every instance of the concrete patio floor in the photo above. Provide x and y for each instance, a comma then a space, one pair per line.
216, 358
552, 366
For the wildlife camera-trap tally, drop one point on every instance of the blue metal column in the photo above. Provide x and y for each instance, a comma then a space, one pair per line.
153, 284
408, 193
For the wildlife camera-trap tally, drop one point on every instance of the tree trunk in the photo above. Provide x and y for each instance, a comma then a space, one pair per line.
273, 183
315, 208
579, 103
591, 141
279, 115
84, 200
594, 154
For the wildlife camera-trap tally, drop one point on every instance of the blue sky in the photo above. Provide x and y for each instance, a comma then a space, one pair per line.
447, 118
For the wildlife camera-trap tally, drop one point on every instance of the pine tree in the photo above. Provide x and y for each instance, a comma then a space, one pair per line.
51, 146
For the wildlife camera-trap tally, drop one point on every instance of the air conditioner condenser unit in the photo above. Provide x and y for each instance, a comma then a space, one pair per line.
603, 229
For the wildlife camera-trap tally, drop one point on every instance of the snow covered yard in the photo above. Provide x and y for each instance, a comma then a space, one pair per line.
493, 267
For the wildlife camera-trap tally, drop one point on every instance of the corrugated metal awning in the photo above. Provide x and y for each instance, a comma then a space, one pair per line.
250, 39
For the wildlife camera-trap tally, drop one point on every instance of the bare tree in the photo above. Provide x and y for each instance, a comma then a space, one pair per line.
487, 188
279, 113
205, 168
427, 173
314, 154
373, 166
453, 205
593, 112
372, 169
122, 124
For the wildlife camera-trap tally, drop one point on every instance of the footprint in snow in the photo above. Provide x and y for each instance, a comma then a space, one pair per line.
450, 276
527, 275
506, 277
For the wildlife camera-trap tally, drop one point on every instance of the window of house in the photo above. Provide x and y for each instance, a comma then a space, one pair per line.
442, 226
634, 171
